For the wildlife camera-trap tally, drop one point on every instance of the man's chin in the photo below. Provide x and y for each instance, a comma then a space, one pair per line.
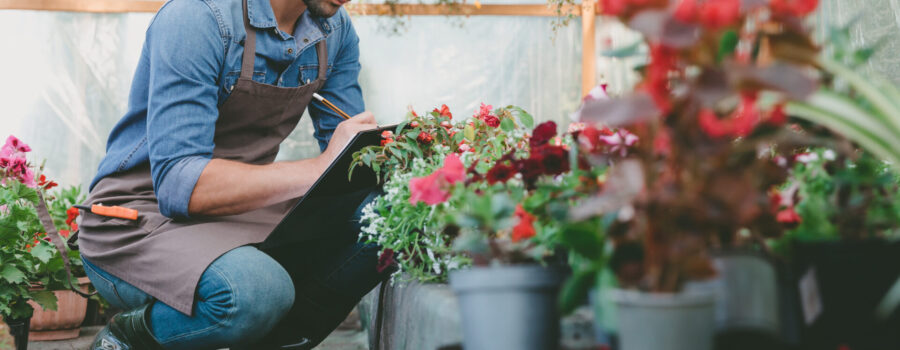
322, 8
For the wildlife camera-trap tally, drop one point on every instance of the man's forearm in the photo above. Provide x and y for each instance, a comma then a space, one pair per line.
228, 187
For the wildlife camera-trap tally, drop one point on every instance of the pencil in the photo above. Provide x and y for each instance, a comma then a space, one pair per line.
331, 106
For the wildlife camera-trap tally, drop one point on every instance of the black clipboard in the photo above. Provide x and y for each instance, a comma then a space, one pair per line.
330, 203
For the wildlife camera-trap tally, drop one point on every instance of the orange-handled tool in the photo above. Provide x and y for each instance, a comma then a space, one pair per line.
113, 212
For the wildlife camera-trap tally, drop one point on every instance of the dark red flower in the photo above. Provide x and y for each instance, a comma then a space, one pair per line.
444, 111
525, 228
425, 137
492, 120
542, 134
531, 169
554, 159
386, 261
500, 173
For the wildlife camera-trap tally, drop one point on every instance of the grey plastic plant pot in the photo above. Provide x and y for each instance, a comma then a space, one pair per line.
746, 293
655, 321
508, 307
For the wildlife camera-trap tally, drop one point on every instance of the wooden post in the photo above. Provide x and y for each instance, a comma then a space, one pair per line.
588, 54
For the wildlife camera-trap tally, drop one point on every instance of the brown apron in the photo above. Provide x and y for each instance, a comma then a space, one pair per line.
165, 258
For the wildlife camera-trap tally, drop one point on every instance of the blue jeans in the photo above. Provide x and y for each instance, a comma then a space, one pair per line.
248, 296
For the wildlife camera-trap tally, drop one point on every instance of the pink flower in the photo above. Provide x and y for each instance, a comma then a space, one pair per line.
427, 189
27, 178
432, 189
483, 111
620, 141
4, 209
14, 148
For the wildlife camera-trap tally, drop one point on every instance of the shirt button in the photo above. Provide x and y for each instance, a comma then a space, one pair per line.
305, 40
290, 51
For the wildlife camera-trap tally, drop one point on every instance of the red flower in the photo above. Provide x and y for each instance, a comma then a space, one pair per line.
414, 124
613, 7
797, 8
483, 111
71, 214
741, 123
720, 13
492, 120
425, 137
777, 117
453, 170
446, 125
386, 141
386, 260
500, 173
64, 233
387, 134
656, 83
686, 11
542, 134
525, 228
789, 217
46, 185
444, 111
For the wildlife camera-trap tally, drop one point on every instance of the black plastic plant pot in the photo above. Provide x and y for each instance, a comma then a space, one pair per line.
839, 285
18, 328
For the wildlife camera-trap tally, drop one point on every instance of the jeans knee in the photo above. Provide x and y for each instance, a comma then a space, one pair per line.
253, 294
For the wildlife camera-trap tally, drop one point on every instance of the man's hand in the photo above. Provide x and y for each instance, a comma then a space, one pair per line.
345, 132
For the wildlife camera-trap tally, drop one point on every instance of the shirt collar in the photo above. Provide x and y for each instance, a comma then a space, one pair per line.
260, 14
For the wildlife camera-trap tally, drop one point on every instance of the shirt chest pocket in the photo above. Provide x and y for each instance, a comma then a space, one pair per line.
310, 72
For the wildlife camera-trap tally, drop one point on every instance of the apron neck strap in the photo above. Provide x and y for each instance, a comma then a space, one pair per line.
322, 51
249, 47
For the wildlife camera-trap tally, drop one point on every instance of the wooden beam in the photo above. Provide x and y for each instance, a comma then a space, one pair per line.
97, 6
588, 52
121, 6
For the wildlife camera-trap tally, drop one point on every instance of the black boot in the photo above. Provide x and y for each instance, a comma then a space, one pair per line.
128, 330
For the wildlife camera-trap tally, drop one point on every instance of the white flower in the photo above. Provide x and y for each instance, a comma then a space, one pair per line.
829, 155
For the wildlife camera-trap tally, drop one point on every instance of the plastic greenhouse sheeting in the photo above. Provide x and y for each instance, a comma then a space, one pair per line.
66, 76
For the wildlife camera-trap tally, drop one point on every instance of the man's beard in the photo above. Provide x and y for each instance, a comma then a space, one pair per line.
321, 8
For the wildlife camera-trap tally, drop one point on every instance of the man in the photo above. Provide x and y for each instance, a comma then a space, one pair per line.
219, 85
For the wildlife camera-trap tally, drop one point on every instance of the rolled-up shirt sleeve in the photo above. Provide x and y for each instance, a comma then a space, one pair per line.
186, 52
342, 86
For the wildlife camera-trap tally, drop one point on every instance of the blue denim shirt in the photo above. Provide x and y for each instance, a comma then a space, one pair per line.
189, 64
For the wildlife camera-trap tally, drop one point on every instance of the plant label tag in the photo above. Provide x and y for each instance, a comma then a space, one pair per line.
810, 297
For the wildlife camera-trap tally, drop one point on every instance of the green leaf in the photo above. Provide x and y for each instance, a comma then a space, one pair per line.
507, 125
43, 252
46, 299
574, 291
12, 274
583, 238
727, 44
469, 132
625, 52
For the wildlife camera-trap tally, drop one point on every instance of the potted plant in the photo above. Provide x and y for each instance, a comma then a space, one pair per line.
32, 268
710, 116
487, 192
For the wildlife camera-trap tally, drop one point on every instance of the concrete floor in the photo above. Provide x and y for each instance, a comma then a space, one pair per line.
349, 336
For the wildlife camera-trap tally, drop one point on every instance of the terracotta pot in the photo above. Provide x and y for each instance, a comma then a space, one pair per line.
65, 322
